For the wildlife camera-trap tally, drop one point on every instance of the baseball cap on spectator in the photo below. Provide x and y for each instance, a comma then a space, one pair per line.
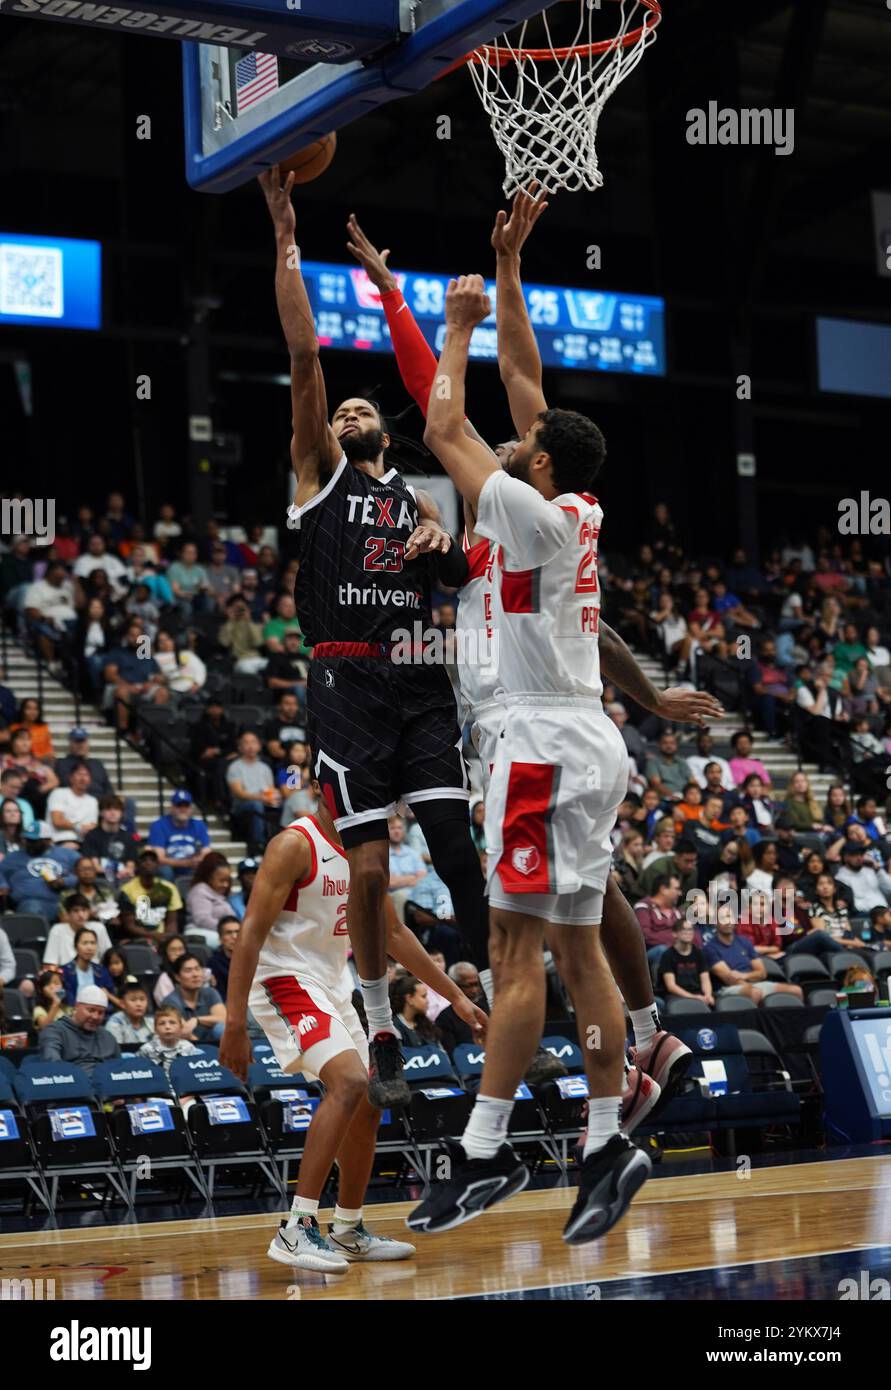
78, 734
38, 831
852, 847
181, 797
245, 865
92, 995
784, 822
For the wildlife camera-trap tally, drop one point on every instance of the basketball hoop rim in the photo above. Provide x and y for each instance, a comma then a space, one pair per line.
496, 56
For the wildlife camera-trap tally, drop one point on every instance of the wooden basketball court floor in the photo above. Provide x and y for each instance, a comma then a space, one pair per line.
715, 1235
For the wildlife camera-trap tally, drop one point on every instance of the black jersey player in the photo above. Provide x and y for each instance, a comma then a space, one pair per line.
381, 721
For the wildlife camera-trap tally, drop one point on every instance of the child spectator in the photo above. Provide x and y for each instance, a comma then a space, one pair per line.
60, 948
170, 1040
130, 1026
49, 1000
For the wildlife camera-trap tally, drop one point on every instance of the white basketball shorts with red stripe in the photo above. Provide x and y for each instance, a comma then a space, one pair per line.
306, 1023
559, 774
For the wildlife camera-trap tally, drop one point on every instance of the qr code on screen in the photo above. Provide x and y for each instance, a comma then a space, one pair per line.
31, 281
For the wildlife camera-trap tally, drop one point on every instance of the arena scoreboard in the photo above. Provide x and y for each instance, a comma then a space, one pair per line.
590, 330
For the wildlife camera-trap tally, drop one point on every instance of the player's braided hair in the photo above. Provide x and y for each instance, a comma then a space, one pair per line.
576, 446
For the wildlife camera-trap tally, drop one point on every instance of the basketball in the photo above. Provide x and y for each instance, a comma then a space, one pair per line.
312, 161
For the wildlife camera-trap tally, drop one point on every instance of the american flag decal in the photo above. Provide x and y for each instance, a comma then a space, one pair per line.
256, 75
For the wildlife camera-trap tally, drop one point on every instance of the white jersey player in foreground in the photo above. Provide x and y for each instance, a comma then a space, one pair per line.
559, 773
290, 968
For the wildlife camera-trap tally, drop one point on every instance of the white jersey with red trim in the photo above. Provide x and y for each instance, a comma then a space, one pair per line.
475, 628
546, 595
309, 938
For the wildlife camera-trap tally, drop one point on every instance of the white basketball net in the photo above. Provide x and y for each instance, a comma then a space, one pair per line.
544, 111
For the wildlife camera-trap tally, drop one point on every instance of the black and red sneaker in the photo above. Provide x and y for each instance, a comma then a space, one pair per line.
386, 1083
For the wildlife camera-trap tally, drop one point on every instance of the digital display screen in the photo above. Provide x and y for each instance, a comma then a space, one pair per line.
50, 282
854, 357
873, 1039
589, 330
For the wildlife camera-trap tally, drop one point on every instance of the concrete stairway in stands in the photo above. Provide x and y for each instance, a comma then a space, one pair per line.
138, 778
779, 760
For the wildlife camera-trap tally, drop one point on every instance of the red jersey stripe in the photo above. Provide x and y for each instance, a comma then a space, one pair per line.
525, 863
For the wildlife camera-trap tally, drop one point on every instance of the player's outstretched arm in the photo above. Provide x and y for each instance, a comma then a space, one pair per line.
676, 704
467, 460
406, 949
519, 360
287, 861
415, 358
314, 447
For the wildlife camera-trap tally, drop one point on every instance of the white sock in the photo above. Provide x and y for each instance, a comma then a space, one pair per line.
645, 1023
488, 985
345, 1219
300, 1207
603, 1122
487, 1127
376, 998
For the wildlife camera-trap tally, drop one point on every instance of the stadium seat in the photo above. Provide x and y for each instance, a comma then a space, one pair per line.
763, 1060
141, 958
198, 947
774, 970
26, 929
439, 1104
17, 1013
468, 1059
814, 844
822, 999
242, 687
882, 970
674, 1005
802, 968
69, 1130
18, 1161
782, 1001
27, 961
567, 1052
149, 1126
840, 963
745, 1104
286, 1103
733, 1004
7, 1069
223, 1121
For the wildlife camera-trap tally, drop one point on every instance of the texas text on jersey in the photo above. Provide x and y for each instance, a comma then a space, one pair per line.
353, 584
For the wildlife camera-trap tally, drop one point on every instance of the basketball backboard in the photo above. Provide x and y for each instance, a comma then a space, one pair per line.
246, 108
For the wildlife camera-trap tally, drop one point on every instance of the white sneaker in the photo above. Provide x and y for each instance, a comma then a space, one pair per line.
304, 1247
359, 1244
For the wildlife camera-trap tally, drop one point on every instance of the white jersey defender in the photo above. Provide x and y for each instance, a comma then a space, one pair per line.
559, 768
302, 990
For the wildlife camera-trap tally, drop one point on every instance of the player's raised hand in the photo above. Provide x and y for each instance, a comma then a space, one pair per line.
682, 706
510, 233
467, 303
425, 539
372, 261
278, 198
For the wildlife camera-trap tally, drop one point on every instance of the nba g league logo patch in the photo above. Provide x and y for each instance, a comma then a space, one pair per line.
526, 861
